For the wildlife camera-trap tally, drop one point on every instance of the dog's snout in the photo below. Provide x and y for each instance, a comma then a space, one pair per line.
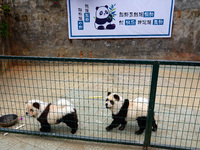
26, 113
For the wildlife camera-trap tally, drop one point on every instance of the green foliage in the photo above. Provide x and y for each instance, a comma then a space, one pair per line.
6, 9
4, 29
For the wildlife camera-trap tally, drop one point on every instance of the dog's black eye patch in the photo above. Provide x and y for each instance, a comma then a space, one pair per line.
108, 93
112, 102
106, 99
116, 97
31, 110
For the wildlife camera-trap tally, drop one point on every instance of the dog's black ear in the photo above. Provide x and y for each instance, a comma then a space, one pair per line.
36, 105
109, 93
116, 97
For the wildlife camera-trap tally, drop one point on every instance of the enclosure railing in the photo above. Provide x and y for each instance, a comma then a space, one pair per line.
172, 88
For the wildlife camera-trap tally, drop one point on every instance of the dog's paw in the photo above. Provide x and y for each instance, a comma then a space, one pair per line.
154, 129
73, 131
139, 132
121, 128
45, 129
108, 129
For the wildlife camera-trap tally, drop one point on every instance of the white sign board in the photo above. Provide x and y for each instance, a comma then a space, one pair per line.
92, 19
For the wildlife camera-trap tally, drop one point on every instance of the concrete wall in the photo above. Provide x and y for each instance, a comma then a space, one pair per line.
40, 28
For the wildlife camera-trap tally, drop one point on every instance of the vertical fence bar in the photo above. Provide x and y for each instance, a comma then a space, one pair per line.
151, 104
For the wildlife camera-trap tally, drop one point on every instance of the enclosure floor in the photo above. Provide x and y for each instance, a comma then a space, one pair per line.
177, 120
30, 142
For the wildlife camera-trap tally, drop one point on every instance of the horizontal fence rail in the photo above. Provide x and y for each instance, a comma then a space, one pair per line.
172, 88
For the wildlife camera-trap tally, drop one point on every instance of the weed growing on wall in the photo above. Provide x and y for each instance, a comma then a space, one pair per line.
4, 27
6, 9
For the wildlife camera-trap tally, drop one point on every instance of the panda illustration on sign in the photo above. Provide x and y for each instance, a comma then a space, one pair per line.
103, 18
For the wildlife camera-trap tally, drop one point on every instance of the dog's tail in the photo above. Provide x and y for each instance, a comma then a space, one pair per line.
141, 100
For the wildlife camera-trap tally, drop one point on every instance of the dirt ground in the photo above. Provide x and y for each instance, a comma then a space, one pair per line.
86, 86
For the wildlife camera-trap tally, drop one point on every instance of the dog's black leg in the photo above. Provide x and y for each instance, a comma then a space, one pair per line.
73, 124
142, 125
71, 121
115, 123
45, 127
123, 125
154, 125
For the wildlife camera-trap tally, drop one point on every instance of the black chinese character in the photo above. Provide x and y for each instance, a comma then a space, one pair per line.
126, 14
149, 22
135, 14
121, 22
131, 14
140, 14
121, 14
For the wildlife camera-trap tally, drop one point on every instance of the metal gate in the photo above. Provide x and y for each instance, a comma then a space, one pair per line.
172, 89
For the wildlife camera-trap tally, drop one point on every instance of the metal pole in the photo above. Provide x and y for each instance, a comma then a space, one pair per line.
151, 104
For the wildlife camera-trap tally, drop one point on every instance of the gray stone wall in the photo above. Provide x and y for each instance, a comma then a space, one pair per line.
40, 28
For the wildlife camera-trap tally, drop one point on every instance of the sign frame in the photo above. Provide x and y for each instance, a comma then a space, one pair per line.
72, 35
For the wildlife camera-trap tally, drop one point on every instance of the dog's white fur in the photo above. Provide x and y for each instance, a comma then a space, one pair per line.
141, 100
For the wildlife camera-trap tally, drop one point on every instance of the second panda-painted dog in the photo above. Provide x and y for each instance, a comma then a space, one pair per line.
49, 114
125, 110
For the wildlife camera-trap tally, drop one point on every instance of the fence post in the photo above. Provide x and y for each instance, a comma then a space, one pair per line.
152, 97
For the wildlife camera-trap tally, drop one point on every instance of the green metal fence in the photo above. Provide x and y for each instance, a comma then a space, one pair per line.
173, 90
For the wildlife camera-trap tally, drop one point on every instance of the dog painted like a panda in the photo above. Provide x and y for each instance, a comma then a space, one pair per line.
125, 110
103, 18
49, 114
